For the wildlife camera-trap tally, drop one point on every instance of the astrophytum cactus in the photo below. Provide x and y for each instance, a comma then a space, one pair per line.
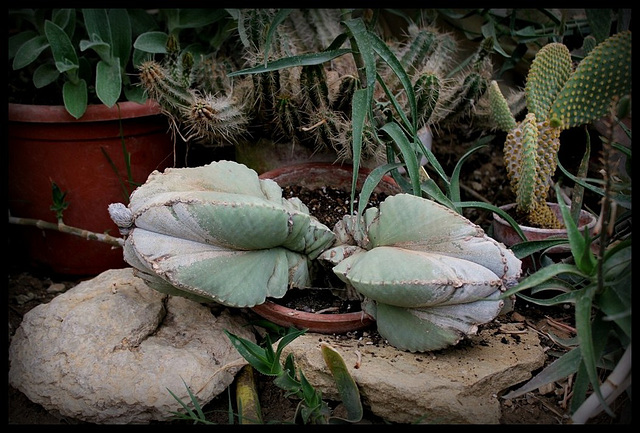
429, 276
219, 233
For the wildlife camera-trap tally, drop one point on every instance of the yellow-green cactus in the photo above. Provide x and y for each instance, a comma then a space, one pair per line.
557, 98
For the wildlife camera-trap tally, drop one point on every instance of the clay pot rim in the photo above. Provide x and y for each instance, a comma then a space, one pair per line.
584, 215
95, 112
321, 323
286, 170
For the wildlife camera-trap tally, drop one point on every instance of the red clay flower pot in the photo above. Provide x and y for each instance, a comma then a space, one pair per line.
503, 232
47, 144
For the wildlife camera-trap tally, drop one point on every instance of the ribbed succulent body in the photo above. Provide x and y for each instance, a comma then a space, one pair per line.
429, 276
558, 97
219, 233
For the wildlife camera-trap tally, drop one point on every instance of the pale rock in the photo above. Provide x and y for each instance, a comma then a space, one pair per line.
458, 385
110, 349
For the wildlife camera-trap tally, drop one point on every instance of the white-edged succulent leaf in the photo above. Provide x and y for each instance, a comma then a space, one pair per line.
229, 220
422, 330
230, 277
415, 223
219, 176
415, 279
225, 203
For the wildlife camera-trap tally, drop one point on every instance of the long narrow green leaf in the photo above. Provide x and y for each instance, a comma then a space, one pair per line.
430, 187
363, 48
292, 334
455, 175
291, 62
281, 15
396, 105
497, 210
564, 298
359, 109
560, 368
370, 183
577, 194
411, 161
526, 248
543, 275
382, 49
584, 327
255, 355
580, 242
347, 387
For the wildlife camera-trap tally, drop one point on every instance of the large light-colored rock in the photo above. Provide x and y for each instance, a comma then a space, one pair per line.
461, 384
108, 351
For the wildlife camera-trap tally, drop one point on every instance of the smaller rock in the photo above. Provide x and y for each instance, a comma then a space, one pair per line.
56, 288
24, 298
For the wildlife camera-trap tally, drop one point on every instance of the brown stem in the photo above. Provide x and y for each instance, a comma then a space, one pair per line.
63, 228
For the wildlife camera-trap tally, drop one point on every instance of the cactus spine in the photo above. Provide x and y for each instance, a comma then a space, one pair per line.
306, 105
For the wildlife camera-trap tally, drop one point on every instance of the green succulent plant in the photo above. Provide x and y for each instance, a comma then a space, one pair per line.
220, 233
558, 98
80, 50
89, 56
183, 223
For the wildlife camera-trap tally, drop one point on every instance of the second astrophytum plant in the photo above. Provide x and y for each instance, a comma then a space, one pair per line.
220, 233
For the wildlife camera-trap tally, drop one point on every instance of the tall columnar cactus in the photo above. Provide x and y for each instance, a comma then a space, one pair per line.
558, 98
309, 104
219, 233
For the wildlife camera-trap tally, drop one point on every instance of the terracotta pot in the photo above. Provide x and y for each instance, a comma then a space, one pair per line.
312, 175
503, 232
321, 323
266, 155
47, 144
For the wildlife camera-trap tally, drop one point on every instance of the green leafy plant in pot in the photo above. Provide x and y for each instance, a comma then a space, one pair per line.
80, 51
77, 121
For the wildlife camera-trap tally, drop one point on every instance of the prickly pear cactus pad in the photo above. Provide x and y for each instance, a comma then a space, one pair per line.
429, 275
219, 233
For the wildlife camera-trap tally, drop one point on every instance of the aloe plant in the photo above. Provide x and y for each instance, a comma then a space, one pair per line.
219, 233
558, 98
312, 409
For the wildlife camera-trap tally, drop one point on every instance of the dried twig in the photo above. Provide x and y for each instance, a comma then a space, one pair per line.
62, 227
